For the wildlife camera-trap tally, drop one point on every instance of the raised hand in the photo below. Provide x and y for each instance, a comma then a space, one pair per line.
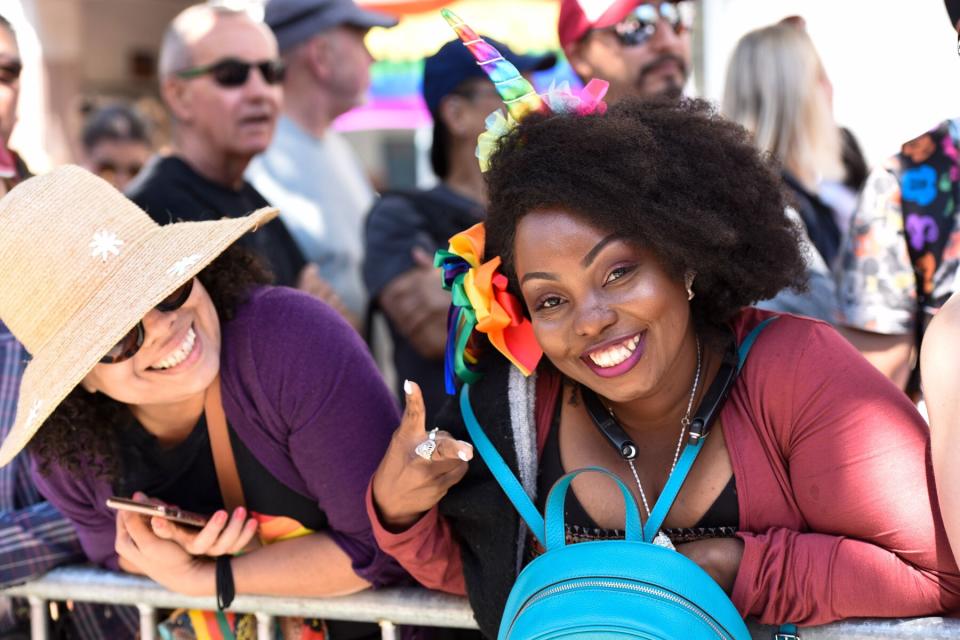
408, 484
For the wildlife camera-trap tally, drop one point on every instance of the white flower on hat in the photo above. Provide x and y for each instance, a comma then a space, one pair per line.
180, 267
34, 412
105, 243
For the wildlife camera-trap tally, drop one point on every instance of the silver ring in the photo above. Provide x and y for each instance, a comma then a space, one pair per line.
425, 449
432, 434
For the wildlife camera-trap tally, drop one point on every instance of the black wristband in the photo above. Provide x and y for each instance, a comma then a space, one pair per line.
225, 588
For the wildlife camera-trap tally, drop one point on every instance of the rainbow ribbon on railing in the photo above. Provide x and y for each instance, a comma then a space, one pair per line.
481, 303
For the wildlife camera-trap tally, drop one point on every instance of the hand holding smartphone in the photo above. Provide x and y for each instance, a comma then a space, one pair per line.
161, 511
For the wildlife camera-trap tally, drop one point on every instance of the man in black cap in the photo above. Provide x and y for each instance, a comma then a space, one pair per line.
309, 171
404, 229
901, 260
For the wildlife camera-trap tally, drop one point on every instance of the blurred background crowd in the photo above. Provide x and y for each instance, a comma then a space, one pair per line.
81, 54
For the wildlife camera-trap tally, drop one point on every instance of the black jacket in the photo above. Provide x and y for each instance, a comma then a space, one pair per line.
482, 517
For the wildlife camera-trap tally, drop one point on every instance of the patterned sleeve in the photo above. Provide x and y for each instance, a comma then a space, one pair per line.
877, 286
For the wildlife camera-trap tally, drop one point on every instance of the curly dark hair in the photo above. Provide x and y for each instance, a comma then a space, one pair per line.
94, 418
673, 177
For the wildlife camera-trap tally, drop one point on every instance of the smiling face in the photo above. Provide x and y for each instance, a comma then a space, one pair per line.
178, 360
606, 313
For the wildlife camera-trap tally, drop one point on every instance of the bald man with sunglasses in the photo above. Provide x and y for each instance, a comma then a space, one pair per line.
220, 78
641, 48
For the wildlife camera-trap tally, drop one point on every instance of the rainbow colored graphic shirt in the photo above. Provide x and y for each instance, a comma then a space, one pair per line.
899, 262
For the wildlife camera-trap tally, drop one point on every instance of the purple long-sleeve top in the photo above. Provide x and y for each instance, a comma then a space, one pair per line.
303, 394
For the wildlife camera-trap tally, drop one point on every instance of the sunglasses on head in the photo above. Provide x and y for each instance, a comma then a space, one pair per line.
234, 73
10, 71
131, 343
642, 23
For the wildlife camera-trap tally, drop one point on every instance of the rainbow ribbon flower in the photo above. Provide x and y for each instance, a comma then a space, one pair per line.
481, 303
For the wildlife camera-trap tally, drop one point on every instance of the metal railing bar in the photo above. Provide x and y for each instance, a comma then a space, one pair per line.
148, 622
264, 625
400, 605
388, 631
39, 628
387, 607
873, 629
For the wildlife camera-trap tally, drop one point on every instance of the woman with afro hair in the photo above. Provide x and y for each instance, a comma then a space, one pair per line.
637, 241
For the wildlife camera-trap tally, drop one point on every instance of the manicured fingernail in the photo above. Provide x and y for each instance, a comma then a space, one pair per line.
463, 456
407, 387
239, 513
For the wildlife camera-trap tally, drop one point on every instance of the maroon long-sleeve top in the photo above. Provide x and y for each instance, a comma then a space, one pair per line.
838, 511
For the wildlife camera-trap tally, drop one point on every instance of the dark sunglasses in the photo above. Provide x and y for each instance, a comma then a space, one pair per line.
234, 73
131, 343
10, 72
641, 24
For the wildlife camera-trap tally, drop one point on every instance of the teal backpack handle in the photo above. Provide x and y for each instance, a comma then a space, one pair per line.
556, 530
498, 467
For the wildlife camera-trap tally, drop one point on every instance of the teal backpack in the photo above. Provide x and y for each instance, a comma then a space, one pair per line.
612, 589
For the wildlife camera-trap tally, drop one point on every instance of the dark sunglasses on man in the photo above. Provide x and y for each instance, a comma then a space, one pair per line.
131, 343
10, 71
642, 23
231, 72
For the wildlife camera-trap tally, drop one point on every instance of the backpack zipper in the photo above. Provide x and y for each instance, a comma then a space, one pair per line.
630, 586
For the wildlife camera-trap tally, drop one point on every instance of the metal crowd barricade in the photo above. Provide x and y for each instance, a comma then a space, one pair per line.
386, 607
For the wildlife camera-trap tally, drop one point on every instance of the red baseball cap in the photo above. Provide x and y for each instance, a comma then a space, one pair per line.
577, 17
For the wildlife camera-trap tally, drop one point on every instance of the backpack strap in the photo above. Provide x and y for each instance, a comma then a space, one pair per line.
556, 534
498, 467
521, 501
692, 450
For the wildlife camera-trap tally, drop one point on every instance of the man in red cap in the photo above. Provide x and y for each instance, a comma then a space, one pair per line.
641, 48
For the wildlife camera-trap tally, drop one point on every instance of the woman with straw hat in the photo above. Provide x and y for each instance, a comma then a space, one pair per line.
141, 339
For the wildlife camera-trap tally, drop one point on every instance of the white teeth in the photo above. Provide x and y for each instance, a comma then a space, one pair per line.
181, 352
614, 355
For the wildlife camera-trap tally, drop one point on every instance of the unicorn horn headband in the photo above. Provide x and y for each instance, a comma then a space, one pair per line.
482, 302
518, 95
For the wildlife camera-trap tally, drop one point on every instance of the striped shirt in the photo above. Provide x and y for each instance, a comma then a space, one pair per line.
34, 536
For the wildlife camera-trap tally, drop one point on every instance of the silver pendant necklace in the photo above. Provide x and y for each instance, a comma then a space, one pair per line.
661, 539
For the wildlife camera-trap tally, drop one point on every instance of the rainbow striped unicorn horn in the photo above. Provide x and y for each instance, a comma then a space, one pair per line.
518, 95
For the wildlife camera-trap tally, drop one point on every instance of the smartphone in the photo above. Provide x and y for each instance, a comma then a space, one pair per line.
170, 513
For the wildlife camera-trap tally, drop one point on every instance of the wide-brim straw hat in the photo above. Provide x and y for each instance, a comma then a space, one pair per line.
80, 265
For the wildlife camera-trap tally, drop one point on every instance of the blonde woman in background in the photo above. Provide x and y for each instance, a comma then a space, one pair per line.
778, 90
